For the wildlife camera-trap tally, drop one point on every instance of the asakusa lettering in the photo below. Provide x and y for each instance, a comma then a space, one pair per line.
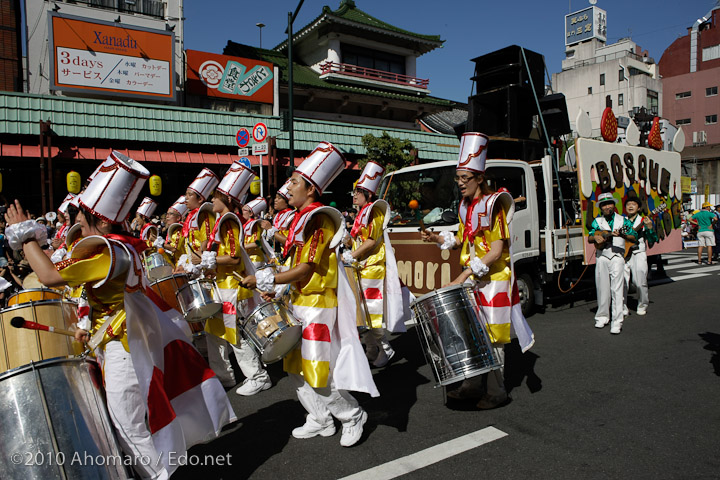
111, 41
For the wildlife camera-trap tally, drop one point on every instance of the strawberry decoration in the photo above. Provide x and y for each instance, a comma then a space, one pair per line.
654, 138
609, 125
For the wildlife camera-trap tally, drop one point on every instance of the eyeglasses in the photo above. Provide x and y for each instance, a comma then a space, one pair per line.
463, 178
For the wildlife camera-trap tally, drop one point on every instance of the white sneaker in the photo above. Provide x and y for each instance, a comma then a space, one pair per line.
615, 329
251, 386
351, 434
312, 429
642, 310
626, 312
600, 323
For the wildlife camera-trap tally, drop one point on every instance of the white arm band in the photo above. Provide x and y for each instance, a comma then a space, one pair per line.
478, 268
209, 260
19, 233
347, 257
448, 239
265, 280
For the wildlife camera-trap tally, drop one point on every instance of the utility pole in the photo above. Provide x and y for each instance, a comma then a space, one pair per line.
291, 129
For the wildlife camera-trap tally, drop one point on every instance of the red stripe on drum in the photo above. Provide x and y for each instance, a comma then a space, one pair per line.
373, 294
316, 331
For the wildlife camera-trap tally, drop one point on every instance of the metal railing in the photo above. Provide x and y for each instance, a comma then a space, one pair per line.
372, 74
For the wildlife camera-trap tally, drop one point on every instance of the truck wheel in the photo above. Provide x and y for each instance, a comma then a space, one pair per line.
527, 293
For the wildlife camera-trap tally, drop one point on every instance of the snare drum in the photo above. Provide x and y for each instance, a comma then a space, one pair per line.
168, 287
362, 315
199, 300
453, 334
20, 346
33, 295
57, 408
272, 330
157, 266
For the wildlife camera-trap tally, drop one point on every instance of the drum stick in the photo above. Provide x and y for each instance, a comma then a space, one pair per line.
19, 322
238, 276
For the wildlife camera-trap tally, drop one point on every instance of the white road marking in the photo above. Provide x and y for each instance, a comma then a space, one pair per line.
687, 277
423, 458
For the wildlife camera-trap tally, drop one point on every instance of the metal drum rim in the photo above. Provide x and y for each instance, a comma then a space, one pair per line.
436, 291
33, 365
36, 302
265, 304
170, 276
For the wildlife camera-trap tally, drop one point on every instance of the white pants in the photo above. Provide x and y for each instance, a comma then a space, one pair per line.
219, 351
609, 282
637, 268
128, 410
324, 403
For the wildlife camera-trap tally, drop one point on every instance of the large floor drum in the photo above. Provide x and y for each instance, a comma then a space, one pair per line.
55, 425
20, 346
453, 334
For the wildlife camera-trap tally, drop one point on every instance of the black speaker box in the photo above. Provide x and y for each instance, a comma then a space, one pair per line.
505, 67
555, 114
506, 111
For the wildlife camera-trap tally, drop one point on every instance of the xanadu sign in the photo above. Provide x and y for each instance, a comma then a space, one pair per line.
650, 175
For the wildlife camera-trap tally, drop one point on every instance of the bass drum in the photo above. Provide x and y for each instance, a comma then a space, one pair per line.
53, 417
453, 334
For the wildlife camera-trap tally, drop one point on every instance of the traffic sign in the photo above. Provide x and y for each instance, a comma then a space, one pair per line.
259, 132
243, 152
260, 149
242, 137
246, 161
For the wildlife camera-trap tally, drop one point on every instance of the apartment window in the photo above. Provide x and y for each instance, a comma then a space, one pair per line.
652, 102
621, 75
710, 119
621, 99
602, 79
589, 90
683, 121
680, 95
711, 91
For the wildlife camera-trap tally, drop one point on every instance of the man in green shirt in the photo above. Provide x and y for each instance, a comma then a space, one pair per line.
706, 236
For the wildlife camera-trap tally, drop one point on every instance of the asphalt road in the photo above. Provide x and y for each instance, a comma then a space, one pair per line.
585, 404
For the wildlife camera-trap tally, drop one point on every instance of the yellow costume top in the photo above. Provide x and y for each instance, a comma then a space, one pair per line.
230, 236
373, 230
320, 289
255, 235
500, 270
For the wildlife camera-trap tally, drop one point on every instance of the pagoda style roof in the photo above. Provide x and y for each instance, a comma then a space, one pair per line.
351, 20
304, 76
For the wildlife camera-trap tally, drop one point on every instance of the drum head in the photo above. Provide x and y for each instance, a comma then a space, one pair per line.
32, 281
281, 343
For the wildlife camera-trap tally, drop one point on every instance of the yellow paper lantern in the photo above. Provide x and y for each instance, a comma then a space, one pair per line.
73, 182
155, 183
255, 186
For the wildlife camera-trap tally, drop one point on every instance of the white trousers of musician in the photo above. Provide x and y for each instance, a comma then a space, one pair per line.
127, 408
219, 349
324, 403
636, 268
610, 285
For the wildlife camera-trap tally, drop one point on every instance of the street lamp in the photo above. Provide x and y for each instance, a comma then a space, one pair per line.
260, 25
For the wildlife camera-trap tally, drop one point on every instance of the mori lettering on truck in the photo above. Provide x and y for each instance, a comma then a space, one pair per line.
650, 175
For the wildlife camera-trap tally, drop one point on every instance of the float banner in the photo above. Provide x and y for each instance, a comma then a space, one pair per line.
652, 176
112, 58
243, 79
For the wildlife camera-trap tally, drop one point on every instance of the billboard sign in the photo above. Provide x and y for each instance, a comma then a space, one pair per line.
585, 24
110, 58
650, 175
213, 75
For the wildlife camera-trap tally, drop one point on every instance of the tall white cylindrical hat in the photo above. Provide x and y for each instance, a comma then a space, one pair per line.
147, 207
473, 152
322, 166
236, 181
204, 183
283, 191
179, 206
67, 201
258, 206
371, 177
116, 186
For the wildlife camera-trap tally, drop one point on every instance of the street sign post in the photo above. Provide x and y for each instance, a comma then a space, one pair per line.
246, 161
242, 137
259, 132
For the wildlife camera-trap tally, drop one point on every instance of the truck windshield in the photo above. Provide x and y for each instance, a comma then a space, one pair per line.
433, 189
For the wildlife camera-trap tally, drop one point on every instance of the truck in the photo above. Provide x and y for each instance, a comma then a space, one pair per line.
554, 206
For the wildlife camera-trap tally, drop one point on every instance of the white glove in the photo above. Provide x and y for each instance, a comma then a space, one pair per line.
448, 239
209, 260
4, 284
58, 255
265, 280
347, 257
19, 233
478, 268
159, 242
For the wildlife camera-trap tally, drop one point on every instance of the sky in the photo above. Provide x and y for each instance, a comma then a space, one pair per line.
470, 28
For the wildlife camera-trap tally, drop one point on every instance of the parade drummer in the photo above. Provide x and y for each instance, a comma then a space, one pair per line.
609, 232
226, 241
320, 375
197, 227
284, 216
69, 210
370, 247
174, 239
103, 207
255, 243
148, 231
484, 239
636, 265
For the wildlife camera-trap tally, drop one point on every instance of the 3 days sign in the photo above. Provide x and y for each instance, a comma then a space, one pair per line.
213, 75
